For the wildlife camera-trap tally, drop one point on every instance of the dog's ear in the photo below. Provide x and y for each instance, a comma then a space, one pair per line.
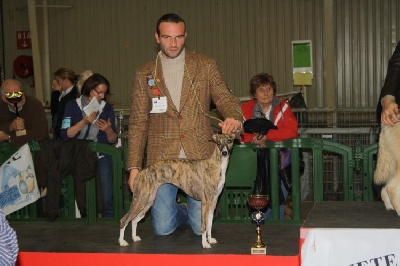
214, 137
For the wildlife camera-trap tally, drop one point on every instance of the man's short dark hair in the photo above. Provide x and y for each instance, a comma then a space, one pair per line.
170, 17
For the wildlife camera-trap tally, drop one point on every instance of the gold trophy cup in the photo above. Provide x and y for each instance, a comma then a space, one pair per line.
258, 202
15, 98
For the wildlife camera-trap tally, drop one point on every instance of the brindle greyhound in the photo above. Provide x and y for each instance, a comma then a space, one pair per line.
200, 179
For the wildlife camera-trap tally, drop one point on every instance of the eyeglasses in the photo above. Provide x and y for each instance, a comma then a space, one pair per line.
264, 90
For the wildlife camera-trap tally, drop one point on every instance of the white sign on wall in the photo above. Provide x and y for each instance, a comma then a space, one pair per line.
351, 247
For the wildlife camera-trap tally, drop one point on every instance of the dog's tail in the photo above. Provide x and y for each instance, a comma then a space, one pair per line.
124, 221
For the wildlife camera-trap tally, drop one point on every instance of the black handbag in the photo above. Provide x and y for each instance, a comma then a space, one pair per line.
258, 125
262, 182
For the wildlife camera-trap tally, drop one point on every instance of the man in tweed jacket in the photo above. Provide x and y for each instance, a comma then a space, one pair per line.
169, 117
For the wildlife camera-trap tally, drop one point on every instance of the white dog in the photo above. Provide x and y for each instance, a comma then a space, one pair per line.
200, 179
387, 170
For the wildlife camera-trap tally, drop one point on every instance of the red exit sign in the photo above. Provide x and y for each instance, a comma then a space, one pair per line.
24, 40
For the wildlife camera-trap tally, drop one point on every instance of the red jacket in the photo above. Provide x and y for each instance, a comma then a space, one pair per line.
284, 119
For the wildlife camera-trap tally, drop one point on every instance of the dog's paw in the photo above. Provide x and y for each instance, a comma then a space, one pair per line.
212, 240
123, 243
389, 208
136, 239
206, 245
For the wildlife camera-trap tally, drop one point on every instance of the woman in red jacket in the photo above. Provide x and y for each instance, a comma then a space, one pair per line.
265, 105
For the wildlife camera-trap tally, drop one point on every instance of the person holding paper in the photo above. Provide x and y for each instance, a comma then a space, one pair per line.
91, 117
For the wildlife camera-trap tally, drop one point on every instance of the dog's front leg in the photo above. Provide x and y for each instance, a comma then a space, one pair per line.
204, 240
134, 236
210, 239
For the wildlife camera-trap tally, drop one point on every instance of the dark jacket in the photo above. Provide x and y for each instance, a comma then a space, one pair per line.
61, 158
35, 121
392, 81
73, 94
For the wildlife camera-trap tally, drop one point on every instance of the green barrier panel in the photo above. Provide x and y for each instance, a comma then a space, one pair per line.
240, 178
67, 212
368, 168
116, 155
242, 171
239, 182
317, 146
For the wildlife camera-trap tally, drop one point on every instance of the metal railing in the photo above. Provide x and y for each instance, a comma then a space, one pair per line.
317, 147
30, 212
240, 178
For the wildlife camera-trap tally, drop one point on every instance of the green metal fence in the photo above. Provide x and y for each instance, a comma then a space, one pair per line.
67, 206
241, 175
232, 206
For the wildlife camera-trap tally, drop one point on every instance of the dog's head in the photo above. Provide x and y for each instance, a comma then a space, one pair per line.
224, 142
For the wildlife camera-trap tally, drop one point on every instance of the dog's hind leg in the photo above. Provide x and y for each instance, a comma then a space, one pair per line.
136, 213
135, 237
121, 240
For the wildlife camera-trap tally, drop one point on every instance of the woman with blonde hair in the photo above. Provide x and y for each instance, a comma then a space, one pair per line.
64, 90
83, 77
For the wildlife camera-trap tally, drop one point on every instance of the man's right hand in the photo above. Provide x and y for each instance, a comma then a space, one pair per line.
55, 86
17, 124
389, 113
132, 177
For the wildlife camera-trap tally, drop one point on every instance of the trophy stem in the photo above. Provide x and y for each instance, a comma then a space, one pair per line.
259, 247
16, 109
259, 243
22, 132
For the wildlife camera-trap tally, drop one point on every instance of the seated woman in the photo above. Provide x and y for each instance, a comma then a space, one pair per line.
98, 126
265, 105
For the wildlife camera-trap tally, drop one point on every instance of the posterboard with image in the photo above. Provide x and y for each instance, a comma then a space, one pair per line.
18, 185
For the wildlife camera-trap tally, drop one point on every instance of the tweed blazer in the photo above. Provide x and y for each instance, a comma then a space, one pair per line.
165, 133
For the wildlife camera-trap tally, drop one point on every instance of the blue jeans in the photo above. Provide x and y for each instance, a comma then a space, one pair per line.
105, 169
167, 214
268, 212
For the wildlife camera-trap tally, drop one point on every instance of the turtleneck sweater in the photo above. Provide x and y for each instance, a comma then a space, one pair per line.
173, 71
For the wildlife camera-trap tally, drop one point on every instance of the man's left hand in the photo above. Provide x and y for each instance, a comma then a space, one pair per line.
230, 125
